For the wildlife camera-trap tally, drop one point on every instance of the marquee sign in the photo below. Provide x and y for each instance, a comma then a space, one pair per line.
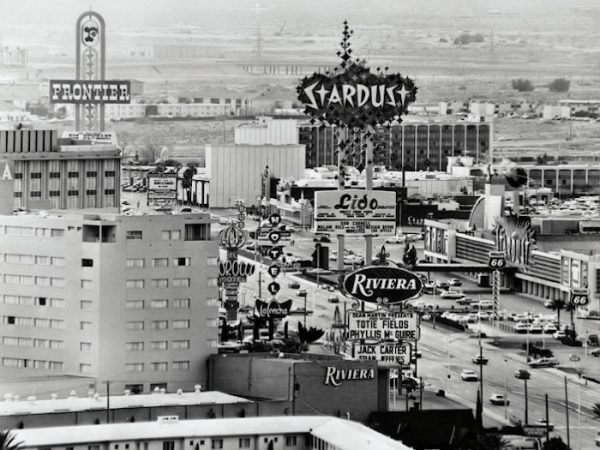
385, 353
235, 271
162, 189
382, 325
385, 285
90, 92
272, 309
355, 212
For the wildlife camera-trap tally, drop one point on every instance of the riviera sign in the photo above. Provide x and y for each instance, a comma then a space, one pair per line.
335, 377
386, 285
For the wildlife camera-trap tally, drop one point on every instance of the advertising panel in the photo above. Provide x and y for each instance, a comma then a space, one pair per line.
383, 284
382, 325
93, 137
162, 189
355, 212
162, 182
90, 92
387, 354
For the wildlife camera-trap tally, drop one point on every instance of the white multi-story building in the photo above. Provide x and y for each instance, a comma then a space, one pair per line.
266, 130
108, 296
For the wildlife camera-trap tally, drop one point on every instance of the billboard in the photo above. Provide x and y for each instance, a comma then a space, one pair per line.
355, 212
90, 92
383, 284
162, 189
93, 137
382, 326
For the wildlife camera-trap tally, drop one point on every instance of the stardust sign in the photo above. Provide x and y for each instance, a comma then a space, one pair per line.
381, 326
355, 212
383, 284
90, 92
356, 97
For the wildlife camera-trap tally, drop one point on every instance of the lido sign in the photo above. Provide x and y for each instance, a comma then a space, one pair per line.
383, 284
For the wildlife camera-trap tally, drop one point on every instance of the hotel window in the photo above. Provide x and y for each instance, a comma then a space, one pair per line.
134, 262
160, 366
217, 444
181, 303
86, 305
134, 325
90, 192
85, 346
54, 175
36, 194
73, 174
36, 175
134, 367
87, 262
171, 235
181, 282
212, 302
17, 341
159, 303
56, 345
86, 326
180, 365
160, 283
244, 443
19, 231
180, 345
37, 364
57, 261
42, 260
57, 232
212, 343
212, 282
85, 368
160, 262
54, 193
212, 261
181, 324
291, 441
135, 284
133, 234
41, 323
55, 365
57, 282
14, 362
87, 284
159, 324
197, 232
109, 173
134, 304
72, 192
109, 192
168, 445
159, 345
91, 173
57, 302
179, 262
134, 346
40, 343
42, 281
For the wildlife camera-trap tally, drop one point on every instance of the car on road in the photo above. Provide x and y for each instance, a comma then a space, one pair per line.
472, 318
543, 422
411, 383
321, 238
543, 362
574, 357
399, 239
469, 375
480, 360
535, 328
452, 295
522, 374
465, 301
354, 259
333, 299
521, 327
559, 334
499, 399
550, 328
294, 285
595, 352
442, 284
455, 282
302, 293
593, 340
483, 304
484, 316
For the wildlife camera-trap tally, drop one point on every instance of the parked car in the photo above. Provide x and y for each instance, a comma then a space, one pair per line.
559, 334
353, 259
521, 327
294, 285
574, 357
522, 374
484, 316
455, 282
593, 341
550, 328
595, 352
544, 423
321, 238
499, 399
549, 303
302, 293
333, 299
480, 360
543, 362
396, 239
442, 284
469, 375
465, 301
452, 295
535, 328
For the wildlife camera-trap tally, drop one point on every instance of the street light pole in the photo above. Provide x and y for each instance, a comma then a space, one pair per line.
505, 389
526, 403
448, 379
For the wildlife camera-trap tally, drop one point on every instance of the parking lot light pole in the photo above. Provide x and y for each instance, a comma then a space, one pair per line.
505, 388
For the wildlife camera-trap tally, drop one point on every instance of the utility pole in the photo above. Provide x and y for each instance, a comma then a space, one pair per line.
547, 420
260, 284
107, 401
567, 414
526, 403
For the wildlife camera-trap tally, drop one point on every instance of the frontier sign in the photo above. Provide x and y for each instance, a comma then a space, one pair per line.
90, 92
383, 284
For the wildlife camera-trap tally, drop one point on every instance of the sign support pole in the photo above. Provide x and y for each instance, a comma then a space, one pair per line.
341, 137
368, 187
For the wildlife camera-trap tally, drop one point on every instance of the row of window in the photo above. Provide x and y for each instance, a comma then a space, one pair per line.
157, 345
157, 262
22, 363
38, 322
11, 230
16, 258
160, 303
14, 341
30, 280
192, 232
70, 193
159, 283
26, 300
177, 324
70, 174
159, 366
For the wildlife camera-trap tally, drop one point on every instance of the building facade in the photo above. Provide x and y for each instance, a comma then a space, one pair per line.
49, 173
267, 130
108, 297
414, 146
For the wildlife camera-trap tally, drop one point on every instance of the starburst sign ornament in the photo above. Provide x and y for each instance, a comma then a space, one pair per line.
353, 96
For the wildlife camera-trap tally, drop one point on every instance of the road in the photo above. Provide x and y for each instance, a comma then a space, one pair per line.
445, 349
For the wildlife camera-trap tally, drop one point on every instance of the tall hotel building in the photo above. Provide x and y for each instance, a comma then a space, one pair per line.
414, 145
88, 294
131, 299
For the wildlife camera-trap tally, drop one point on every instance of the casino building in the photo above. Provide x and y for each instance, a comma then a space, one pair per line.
49, 172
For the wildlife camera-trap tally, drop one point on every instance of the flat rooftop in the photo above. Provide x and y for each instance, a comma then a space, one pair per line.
72, 404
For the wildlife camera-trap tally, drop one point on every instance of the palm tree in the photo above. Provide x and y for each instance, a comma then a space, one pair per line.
596, 410
7, 441
557, 305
